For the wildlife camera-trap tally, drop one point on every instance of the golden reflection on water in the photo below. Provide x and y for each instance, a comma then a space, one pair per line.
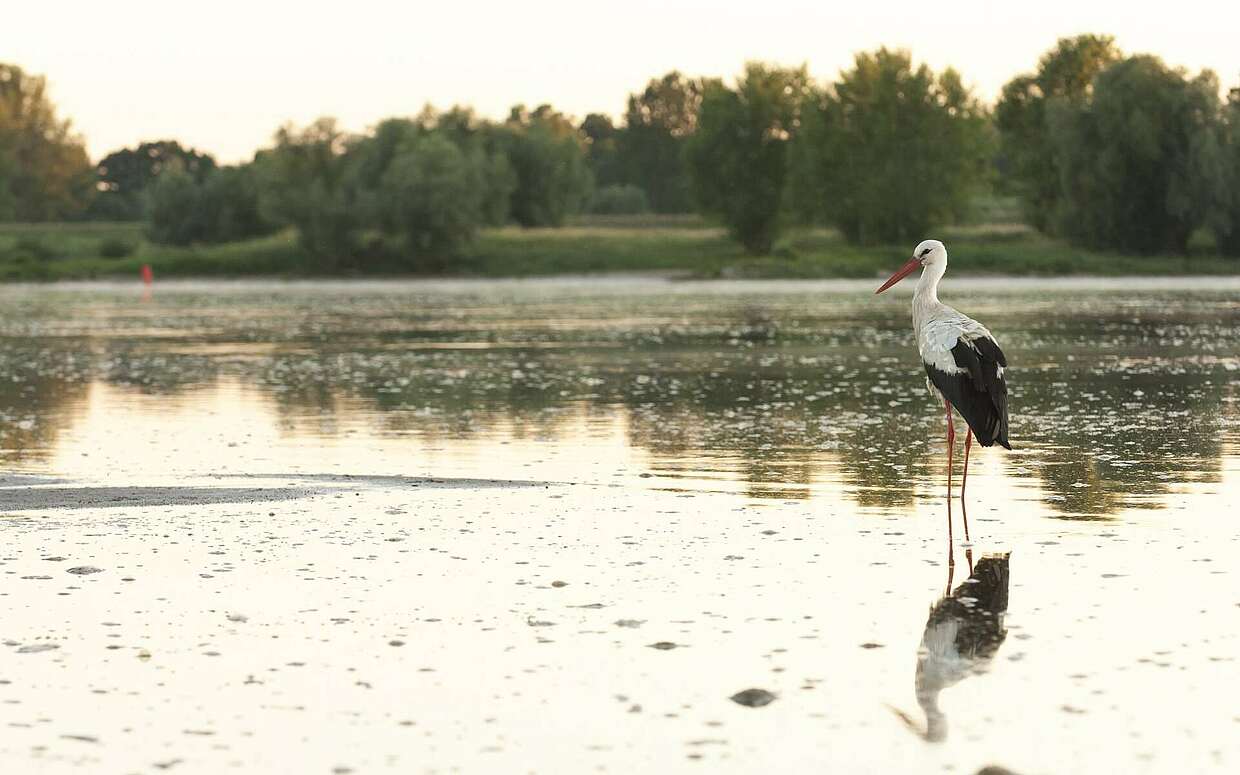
765, 488
771, 394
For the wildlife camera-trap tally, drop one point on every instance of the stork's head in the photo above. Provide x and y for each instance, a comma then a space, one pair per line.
928, 252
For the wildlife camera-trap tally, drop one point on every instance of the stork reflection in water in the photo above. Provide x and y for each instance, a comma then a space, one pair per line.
964, 631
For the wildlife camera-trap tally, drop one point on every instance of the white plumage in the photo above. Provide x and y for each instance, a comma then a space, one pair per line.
964, 365
963, 362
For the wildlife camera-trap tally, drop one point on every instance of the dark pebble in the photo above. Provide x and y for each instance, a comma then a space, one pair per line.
753, 698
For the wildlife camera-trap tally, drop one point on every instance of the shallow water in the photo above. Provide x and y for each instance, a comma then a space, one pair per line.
327, 519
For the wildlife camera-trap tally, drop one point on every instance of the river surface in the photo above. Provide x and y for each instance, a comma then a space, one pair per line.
567, 525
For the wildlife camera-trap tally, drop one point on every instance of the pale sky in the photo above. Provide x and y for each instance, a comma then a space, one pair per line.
223, 75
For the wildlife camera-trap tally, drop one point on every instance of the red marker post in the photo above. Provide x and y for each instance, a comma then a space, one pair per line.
148, 276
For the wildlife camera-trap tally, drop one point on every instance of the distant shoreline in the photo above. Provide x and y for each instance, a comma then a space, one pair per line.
684, 248
621, 283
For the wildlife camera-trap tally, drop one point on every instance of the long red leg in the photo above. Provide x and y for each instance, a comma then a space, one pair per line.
964, 478
951, 443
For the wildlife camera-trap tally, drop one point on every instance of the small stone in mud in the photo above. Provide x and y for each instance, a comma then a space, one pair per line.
396, 643
35, 648
753, 698
236, 617
634, 623
871, 645
558, 584
664, 645
84, 570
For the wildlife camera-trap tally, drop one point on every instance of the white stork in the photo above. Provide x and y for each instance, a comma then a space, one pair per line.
964, 365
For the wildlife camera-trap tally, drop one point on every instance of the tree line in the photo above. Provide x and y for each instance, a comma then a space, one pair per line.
1106, 150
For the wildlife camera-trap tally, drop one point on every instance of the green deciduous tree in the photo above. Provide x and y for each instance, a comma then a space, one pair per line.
411, 193
45, 173
546, 155
304, 183
124, 177
892, 150
484, 143
222, 207
1226, 221
1139, 161
738, 155
651, 146
231, 199
431, 195
501, 181
603, 157
1064, 74
175, 210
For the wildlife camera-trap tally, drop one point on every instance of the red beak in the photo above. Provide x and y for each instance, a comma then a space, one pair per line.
901, 273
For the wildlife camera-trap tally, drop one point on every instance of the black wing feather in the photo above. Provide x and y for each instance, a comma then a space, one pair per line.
979, 393
989, 348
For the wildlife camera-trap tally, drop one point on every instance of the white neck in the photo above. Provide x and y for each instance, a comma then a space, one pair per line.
926, 297
928, 283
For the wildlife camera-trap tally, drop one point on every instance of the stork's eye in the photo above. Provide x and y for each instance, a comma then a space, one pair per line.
923, 253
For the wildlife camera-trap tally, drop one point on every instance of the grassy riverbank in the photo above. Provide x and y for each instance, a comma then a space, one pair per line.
683, 245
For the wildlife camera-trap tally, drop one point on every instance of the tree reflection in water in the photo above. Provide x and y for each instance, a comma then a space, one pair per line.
1115, 401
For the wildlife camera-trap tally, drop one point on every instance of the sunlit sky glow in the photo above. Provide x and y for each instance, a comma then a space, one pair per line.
221, 76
